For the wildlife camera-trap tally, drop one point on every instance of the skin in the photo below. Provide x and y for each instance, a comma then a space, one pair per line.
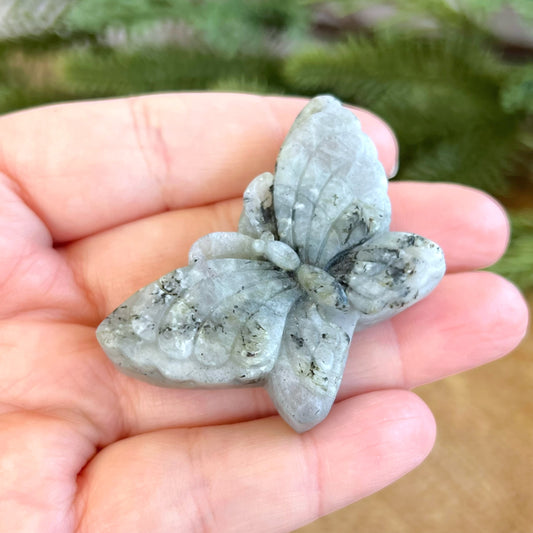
100, 198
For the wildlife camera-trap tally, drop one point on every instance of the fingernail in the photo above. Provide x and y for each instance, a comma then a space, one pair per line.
394, 170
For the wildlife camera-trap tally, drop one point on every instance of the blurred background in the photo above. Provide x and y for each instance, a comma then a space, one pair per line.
454, 78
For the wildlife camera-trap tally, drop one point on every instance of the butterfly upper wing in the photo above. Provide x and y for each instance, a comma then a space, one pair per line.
217, 322
329, 190
305, 379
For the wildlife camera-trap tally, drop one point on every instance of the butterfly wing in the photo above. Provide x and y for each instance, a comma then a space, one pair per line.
305, 379
217, 322
258, 215
388, 273
329, 190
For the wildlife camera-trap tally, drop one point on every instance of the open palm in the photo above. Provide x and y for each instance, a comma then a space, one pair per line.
100, 198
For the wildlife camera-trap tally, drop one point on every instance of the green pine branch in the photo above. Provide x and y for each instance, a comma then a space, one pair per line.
517, 90
517, 263
104, 72
441, 96
227, 27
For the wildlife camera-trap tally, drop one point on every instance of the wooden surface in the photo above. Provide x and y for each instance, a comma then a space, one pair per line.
479, 477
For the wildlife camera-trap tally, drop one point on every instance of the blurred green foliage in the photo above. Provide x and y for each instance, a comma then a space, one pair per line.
88, 71
441, 96
459, 97
224, 26
516, 263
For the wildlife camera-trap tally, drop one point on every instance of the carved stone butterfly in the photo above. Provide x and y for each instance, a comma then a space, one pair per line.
276, 304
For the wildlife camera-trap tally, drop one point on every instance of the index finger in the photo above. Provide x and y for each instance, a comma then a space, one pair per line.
89, 166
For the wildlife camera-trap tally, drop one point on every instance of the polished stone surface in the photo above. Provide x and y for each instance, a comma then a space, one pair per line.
276, 303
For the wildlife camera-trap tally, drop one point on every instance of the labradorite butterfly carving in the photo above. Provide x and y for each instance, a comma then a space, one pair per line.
276, 303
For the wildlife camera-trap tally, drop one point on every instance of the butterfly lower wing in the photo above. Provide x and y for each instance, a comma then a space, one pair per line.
330, 190
218, 322
306, 376
388, 274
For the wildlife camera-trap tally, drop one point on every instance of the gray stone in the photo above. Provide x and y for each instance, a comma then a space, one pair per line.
277, 303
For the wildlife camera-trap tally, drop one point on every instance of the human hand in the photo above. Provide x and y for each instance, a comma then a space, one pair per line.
98, 199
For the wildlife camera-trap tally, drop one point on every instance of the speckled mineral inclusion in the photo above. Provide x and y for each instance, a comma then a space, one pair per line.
277, 303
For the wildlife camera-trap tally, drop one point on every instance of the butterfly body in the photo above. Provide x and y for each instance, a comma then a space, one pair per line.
276, 303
